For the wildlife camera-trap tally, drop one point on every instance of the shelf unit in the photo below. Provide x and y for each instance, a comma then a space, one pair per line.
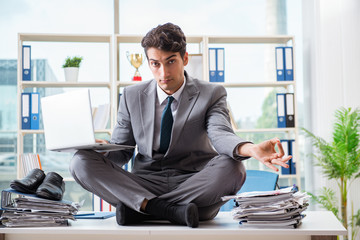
115, 83
22, 85
287, 85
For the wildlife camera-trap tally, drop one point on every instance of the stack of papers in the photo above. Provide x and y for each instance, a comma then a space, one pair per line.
279, 208
28, 210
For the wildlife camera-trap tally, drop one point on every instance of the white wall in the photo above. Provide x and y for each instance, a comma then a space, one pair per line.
331, 70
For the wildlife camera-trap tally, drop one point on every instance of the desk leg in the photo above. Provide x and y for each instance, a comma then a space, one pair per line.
323, 237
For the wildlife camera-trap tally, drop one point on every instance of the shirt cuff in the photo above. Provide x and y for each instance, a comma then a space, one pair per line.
237, 154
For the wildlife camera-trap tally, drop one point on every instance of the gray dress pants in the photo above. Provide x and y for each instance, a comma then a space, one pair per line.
221, 176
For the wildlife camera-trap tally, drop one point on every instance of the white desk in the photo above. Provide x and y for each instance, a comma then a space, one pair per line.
316, 225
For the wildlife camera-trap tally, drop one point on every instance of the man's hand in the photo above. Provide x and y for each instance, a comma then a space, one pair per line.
265, 152
102, 141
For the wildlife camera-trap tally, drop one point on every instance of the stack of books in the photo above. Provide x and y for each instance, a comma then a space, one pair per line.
279, 208
28, 210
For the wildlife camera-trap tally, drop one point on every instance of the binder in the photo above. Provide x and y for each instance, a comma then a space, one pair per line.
34, 116
279, 60
195, 66
288, 56
99, 205
26, 63
212, 65
96, 203
25, 110
281, 110
220, 63
105, 206
292, 161
285, 145
290, 113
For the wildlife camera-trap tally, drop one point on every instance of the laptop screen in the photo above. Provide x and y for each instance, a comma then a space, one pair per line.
67, 119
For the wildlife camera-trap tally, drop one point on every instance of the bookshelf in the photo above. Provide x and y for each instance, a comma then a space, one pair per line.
287, 86
34, 84
199, 46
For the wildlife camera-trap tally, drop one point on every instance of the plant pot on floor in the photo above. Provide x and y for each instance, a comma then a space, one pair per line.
71, 74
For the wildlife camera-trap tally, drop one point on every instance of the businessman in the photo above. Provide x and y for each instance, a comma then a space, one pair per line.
188, 156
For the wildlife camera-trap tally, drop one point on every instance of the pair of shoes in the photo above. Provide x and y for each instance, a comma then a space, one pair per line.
50, 186
179, 214
127, 216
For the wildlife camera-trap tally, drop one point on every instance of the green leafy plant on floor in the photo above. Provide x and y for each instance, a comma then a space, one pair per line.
72, 62
340, 160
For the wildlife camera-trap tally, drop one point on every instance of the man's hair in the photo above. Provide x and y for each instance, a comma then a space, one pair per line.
167, 37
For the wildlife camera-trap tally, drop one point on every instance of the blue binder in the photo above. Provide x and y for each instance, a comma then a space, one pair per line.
34, 115
279, 60
292, 161
25, 110
212, 65
289, 62
285, 145
290, 110
26, 63
281, 110
220, 64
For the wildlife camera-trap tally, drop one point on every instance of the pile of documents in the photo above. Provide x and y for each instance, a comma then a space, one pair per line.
27, 210
278, 208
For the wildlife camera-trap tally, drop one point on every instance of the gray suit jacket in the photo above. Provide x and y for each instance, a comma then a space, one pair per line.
201, 129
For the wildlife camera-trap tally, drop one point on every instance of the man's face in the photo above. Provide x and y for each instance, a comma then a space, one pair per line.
167, 68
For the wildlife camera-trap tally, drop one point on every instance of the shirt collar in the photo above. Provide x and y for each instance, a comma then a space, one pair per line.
162, 95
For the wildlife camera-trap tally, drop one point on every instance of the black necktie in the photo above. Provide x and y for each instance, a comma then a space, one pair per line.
166, 126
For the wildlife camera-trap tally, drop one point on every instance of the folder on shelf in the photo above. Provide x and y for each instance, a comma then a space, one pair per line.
288, 56
290, 113
212, 65
101, 116
28, 161
195, 66
26, 63
281, 110
285, 145
99, 205
34, 116
279, 60
292, 161
220, 63
25, 110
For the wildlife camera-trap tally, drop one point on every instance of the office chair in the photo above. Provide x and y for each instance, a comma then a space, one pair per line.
256, 180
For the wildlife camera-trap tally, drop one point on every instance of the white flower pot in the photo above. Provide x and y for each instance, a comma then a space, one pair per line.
71, 74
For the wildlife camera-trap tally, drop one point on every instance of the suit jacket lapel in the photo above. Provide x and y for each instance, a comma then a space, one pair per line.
187, 101
147, 110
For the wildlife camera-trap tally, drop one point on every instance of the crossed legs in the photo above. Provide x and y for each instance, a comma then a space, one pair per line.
221, 176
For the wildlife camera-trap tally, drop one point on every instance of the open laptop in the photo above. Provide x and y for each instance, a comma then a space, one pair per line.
68, 123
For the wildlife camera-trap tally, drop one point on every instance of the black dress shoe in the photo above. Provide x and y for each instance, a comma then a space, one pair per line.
179, 214
127, 216
52, 188
30, 182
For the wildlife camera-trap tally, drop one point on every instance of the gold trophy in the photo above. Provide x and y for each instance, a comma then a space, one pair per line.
135, 59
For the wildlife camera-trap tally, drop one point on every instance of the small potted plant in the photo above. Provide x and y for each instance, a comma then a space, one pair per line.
71, 68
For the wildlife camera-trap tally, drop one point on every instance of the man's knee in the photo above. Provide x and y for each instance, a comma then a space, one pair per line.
80, 162
231, 171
